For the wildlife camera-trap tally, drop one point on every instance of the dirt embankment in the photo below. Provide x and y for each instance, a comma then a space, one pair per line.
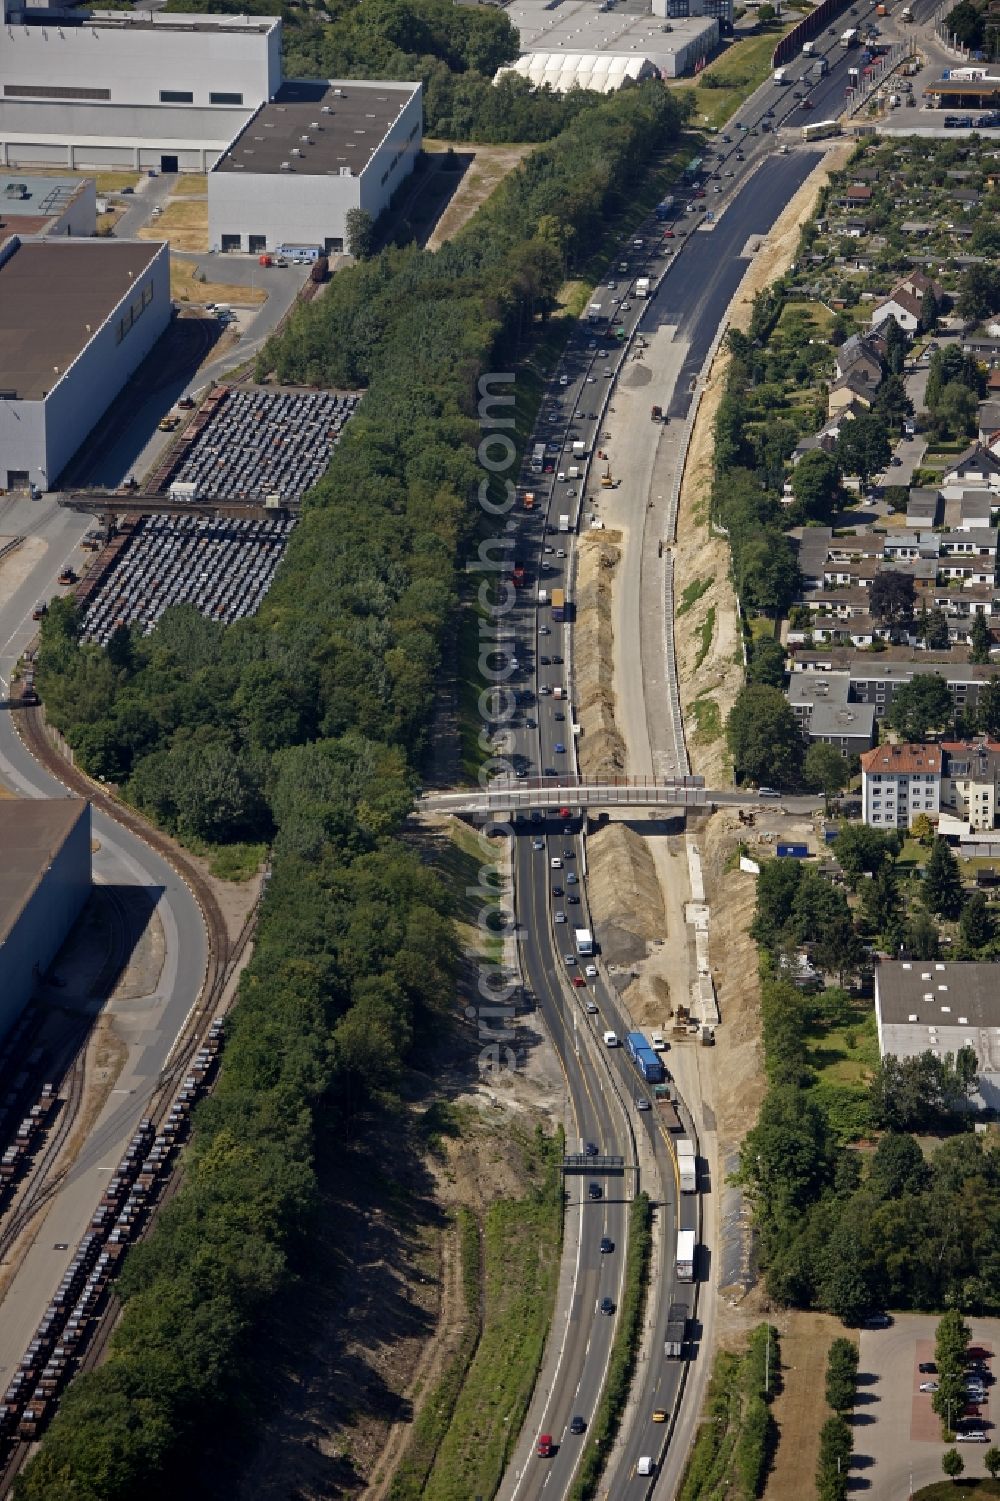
708, 635
602, 749
625, 891
733, 956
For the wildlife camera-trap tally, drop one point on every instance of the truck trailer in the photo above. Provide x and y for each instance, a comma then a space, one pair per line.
849, 38
564, 523
686, 1166
647, 1062
642, 286
558, 605
685, 1255
677, 1318
584, 941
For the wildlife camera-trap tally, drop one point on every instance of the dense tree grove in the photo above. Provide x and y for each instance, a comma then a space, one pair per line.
302, 726
453, 52
843, 1231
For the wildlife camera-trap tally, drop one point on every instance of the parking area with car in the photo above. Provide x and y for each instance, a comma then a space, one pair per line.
897, 1434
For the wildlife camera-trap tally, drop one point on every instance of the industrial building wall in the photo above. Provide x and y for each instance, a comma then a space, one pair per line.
134, 64
104, 135
22, 443
286, 208
45, 922
395, 158
93, 381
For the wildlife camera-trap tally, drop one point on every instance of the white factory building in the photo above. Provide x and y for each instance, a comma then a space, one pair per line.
607, 46
309, 156
926, 1005
131, 89
77, 318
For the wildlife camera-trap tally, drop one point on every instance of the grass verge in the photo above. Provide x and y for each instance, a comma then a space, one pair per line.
737, 1436
522, 1240
229, 862
624, 1351
432, 1423
708, 720
734, 76
460, 859
705, 633
692, 593
951, 1490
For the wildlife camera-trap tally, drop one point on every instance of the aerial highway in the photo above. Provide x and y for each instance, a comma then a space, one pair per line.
748, 185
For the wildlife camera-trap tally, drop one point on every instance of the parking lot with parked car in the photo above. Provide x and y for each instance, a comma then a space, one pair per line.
897, 1434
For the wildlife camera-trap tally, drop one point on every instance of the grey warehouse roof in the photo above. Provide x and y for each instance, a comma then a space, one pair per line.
32, 832
334, 127
923, 992
50, 291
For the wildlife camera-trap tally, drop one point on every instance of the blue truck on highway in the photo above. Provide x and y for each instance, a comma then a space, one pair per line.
645, 1060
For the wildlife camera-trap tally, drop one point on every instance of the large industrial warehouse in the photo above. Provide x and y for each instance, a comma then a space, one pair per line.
77, 317
131, 89
45, 878
308, 157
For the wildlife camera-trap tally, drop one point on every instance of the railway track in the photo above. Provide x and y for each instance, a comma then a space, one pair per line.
223, 955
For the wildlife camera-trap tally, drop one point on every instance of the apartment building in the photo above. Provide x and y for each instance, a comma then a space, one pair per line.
900, 782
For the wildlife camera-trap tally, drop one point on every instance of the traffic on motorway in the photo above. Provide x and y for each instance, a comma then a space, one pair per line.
615, 1096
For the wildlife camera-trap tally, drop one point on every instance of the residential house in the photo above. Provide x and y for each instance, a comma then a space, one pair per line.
852, 391
875, 677
859, 353
839, 602
970, 782
905, 301
977, 469
989, 420
811, 545
899, 783
822, 704
972, 510
970, 555
905, 543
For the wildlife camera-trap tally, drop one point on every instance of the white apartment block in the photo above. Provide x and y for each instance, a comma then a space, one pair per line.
899, 782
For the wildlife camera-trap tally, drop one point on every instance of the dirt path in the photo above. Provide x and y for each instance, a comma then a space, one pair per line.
709, 640
490, 166
800, 1408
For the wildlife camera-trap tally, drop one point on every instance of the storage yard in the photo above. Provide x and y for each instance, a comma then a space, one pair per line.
222, 567
254, 444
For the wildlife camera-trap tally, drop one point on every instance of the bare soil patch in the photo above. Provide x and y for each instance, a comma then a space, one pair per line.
602, 747
733, 956
713, 677
800, 1408
625, 891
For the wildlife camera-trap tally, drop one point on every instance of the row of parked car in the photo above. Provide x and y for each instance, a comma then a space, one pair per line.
59, 1340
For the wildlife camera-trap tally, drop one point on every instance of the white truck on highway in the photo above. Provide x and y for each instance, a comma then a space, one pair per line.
642, 286
564, 523
808, 48
780, 76
686, 1166
850, 37
584, 941
685, 1255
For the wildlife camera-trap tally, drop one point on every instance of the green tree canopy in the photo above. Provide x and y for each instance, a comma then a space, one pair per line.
826, 768
764, 737
816, 487
942, 885
921, 707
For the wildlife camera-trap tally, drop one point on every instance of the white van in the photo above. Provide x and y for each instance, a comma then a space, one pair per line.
610, 1039
645, 1465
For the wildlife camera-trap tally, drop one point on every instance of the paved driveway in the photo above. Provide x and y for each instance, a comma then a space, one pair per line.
896, 1435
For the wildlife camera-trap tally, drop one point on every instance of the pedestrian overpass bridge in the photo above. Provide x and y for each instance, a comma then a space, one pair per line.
522, 795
